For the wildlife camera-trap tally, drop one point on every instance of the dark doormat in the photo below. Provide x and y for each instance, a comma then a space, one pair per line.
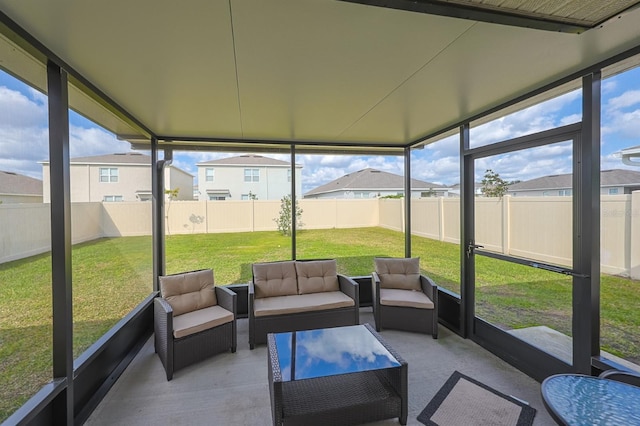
465, 401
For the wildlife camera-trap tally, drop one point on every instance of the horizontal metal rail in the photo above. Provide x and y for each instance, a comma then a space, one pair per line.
531, 263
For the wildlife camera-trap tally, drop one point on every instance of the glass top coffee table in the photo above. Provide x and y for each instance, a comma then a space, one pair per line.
342, 375
574, 399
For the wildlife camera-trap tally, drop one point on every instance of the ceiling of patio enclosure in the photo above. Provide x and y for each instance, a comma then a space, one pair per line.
315, 71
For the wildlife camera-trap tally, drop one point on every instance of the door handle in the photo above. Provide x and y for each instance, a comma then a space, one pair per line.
471, 247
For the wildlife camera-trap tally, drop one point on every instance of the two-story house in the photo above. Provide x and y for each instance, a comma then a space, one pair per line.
245, 177
372, 183
118, 177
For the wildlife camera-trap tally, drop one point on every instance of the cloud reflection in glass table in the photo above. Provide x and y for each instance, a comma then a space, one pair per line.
341, 375
327, 352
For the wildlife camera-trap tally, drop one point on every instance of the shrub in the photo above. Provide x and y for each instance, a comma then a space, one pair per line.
283, 220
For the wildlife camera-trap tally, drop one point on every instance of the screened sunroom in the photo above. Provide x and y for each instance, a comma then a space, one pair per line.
527, 281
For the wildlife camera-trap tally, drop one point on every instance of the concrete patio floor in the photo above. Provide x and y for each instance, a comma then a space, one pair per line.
232, 389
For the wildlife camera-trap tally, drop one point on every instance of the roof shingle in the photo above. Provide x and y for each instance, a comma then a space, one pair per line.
247, 159
371, 179
615, 177
14, 183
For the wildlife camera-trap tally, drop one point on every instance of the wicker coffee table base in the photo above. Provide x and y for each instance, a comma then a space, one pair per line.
346, 399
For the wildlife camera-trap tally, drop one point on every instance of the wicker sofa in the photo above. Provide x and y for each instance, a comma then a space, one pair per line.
299, 295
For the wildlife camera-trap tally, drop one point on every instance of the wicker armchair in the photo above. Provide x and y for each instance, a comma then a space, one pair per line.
403, 299
193, 319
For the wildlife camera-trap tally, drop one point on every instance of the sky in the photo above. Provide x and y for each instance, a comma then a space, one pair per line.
24, 139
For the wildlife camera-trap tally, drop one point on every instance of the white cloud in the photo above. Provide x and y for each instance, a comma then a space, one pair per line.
570, 119
609, 85
440, 162
23, 133
536, 118
446, 147
321, 169
625, 125
528, 164
18, 111
621, 121
442, 170
85, 142
342, 346
625, 100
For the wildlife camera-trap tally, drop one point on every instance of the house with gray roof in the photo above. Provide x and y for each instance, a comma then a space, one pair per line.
118, 177
245, 177
17, 188
372, 183
612, 182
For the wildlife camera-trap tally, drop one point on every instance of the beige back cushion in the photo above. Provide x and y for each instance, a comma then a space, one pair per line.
317, 276
399, 273
189, 292
275, 279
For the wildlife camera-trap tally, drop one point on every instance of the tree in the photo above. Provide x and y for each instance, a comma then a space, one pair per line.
283, 220
172, 194
430, 193
493, 185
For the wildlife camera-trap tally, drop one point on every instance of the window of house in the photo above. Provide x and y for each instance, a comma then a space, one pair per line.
217, 197
613, 191
108, 174
112, 198
546, 193
288, 175
565, 192
209, 174
252, 175
244, 197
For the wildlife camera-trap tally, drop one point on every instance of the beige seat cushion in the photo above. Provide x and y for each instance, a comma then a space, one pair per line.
275, 279
317, 276
302, 303
399, 273
189, 291
405, 298
200, 320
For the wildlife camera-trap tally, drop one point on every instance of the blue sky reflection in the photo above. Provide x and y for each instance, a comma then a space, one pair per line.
331, 351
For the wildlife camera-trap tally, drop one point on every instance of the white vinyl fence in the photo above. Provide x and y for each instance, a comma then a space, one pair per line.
538, 228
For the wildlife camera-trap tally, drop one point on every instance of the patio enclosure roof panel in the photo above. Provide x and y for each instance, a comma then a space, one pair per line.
339, 73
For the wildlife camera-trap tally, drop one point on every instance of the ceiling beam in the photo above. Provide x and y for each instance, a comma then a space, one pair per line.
443, 8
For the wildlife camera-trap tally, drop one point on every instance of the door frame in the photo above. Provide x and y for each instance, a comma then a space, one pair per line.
585, 137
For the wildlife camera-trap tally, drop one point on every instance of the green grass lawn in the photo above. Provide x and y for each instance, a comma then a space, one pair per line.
111, 276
